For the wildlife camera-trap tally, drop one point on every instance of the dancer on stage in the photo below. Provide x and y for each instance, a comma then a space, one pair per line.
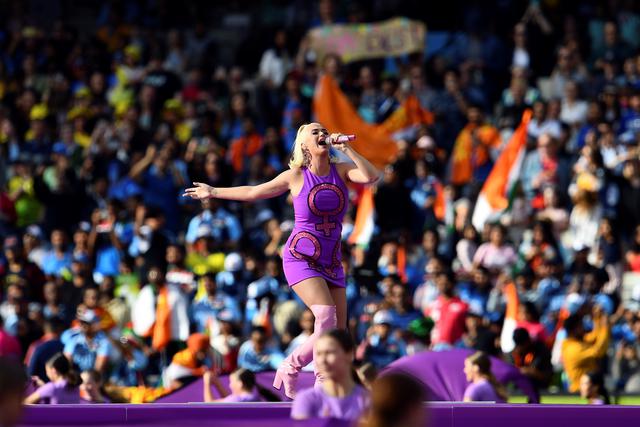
312, 254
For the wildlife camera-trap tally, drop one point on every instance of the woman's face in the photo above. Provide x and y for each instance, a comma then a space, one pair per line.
585, 387
496, 237
51, 373
235, 384
331, 360
469, 370
312, 135
88, 384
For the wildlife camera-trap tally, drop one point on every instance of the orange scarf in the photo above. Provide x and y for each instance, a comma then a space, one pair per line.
162, 327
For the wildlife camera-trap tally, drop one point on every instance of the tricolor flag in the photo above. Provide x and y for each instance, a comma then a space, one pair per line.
375, 142
365, 222
510, 324
494, 197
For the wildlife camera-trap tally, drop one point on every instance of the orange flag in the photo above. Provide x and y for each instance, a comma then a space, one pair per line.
162, 328
465, 156
333, 109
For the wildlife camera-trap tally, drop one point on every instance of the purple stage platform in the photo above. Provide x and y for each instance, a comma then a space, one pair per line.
277, 415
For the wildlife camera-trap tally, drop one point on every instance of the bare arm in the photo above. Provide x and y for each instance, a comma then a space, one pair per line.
362, 171
32, 398
209, 378
246, 193
139, 168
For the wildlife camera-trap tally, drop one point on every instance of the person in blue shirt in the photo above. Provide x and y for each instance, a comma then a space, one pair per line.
255, 355
400, 309
88, 348
57, 261
204, 311
225, 227
381, 347
476, 292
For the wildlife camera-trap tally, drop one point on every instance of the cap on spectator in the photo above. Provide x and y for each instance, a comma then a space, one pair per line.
605, 302
226, 316
83, 226
233, 262
425, 143
35, 307
258, 289
76, 112
382, 317
12, 242
264, 215
81, 92
133, 51
38, 112
421, 327
197, 342
204, 230
173, 105
34, 231
59, 148
88, 316
574, 302
30, 32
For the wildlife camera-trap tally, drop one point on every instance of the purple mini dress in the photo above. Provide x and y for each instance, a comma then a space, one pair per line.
314, 247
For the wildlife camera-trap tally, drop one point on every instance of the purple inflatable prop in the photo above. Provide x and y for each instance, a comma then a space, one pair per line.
443, 377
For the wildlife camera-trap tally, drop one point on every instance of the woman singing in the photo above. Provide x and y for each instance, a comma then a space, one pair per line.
312, 254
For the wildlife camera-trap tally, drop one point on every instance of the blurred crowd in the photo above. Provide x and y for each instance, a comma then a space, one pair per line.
101, 131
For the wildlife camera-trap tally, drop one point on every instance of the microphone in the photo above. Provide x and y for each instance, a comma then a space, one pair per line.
340, 140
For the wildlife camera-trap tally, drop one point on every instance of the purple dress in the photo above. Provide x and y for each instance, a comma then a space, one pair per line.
315, 403
314, 247
57, 393
482, 391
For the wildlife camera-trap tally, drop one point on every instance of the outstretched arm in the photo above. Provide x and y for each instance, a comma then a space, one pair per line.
245, 193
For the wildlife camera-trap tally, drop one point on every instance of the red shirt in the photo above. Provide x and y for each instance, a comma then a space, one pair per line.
9, 346
449, 316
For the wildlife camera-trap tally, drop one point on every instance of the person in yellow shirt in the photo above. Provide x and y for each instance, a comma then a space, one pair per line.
582, 352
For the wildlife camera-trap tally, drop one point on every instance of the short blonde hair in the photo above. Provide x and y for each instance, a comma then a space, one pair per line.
297, 155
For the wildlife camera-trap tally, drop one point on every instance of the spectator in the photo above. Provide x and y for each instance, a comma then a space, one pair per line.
88, 347
205, 310
532, 358
160, 313
193, 361
63, 387
381, 346
338, 397
44, 349
255, 355
448, 312
581, 352
484, 387
495, 255
9, 346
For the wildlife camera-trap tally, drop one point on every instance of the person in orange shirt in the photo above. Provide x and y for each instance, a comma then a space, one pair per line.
471, 160
242, 149
582, 352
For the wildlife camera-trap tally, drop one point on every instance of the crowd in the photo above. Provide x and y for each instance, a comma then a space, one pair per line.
104, 262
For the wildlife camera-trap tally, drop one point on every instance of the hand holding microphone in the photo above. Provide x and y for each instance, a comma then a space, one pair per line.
336, 140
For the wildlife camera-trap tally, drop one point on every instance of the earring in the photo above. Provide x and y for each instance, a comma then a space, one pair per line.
306, 157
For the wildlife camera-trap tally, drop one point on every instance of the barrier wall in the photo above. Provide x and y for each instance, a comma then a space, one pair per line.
277, 415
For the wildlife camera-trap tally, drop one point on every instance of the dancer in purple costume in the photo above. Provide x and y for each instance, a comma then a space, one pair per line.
312, 254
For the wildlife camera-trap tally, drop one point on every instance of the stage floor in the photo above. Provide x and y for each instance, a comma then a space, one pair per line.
277, 415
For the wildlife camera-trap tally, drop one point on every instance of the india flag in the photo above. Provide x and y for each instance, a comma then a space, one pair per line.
364, 223
494, 197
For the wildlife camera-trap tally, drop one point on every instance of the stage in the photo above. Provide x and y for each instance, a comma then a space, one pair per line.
277, 415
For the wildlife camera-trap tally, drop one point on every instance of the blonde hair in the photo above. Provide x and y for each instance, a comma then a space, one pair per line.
297, 155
